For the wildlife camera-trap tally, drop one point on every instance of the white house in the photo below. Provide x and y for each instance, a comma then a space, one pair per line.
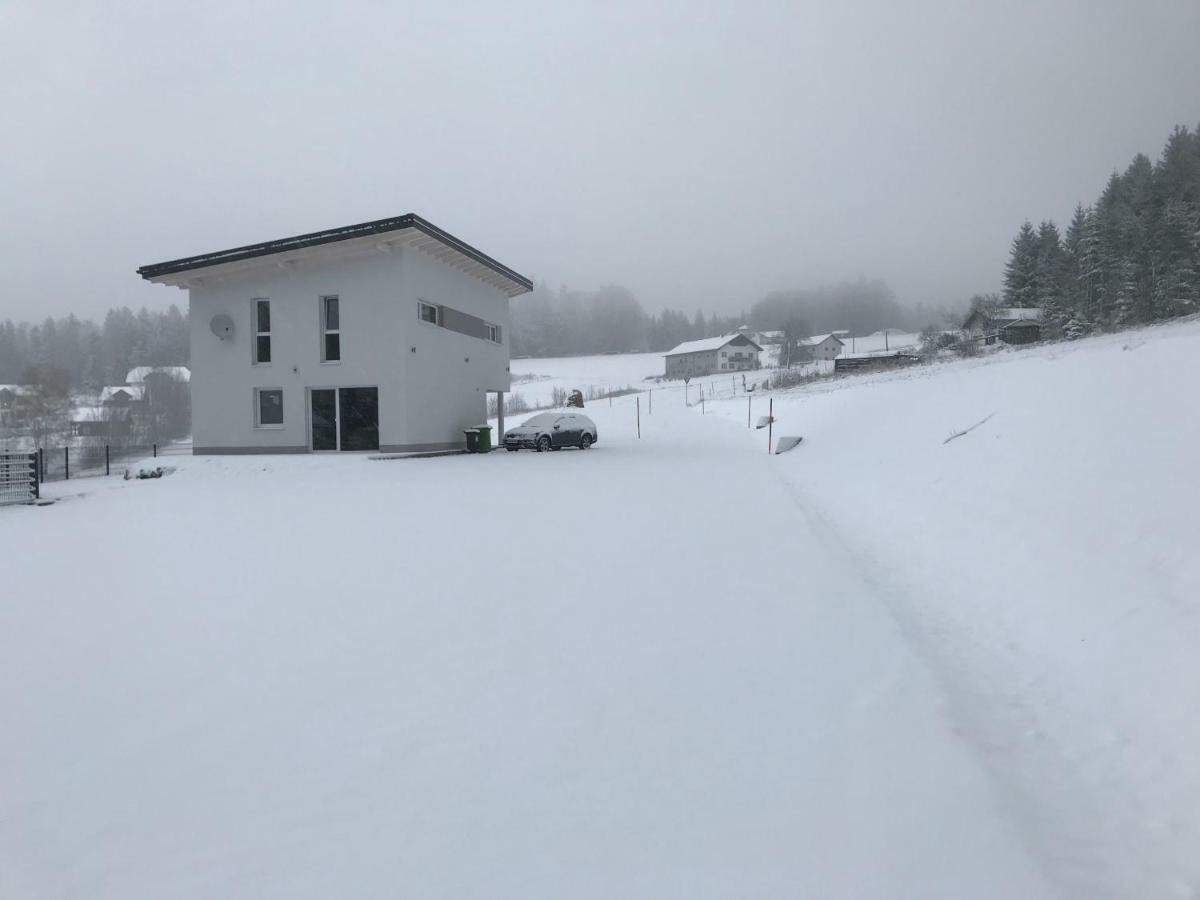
728, 353
822, 346
386, 335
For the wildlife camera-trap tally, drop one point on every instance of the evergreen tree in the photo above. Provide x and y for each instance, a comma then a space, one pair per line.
1020, 275
1050, 276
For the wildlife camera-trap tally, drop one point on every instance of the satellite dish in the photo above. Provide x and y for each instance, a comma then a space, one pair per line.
222, 326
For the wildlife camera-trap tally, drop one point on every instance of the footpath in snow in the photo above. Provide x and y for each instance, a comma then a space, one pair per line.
647, 670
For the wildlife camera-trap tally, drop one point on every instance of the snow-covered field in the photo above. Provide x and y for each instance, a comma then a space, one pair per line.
880, 665
536, 379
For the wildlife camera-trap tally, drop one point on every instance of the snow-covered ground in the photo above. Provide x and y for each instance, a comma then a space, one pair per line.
880, 665
1046, 562
536, 379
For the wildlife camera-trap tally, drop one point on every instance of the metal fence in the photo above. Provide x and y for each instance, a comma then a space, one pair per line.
18, 477
64, 463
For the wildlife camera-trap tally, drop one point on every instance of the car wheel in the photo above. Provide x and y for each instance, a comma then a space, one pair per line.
511, 449
585, 441
543, 443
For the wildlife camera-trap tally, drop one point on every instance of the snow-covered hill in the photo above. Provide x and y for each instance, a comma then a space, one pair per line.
1049, 560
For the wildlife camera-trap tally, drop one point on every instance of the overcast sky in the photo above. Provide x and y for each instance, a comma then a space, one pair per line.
699, 153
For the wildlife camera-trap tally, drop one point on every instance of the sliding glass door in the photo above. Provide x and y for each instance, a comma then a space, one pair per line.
344, 418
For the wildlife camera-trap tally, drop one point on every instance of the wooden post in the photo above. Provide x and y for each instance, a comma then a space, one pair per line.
651, 398
770, 422
66, 463
155, 446
749, 400
639, 416
41, 463
701, 402
106, 469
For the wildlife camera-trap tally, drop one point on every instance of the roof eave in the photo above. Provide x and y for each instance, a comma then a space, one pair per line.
163, 272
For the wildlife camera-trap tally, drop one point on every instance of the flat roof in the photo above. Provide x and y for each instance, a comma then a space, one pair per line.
330, 236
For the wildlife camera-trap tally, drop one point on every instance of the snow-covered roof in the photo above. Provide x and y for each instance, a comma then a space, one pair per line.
1014, 313
16, 388
135, 391
820, 339
138, 375
706, 344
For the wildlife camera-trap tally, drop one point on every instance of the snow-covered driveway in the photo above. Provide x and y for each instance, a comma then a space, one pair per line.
644, 670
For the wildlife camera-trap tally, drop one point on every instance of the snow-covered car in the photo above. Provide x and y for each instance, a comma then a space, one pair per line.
552, 431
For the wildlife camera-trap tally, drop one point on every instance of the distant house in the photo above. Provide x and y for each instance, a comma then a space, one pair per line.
821, 346
122, 394
9, 395
861, 364
728, 353
101, 421
1012, 325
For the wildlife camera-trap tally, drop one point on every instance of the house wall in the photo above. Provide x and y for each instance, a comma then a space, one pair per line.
829, 348
737, 359
691, 365
432, 381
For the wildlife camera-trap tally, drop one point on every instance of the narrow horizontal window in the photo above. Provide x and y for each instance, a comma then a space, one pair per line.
268, 407
428, 313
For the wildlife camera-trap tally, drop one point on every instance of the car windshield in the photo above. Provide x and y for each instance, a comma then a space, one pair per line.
543, 419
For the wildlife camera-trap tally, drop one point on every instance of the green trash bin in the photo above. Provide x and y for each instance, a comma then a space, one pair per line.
485, 438
472, 435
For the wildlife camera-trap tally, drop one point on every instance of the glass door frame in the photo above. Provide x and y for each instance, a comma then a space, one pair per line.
337, 420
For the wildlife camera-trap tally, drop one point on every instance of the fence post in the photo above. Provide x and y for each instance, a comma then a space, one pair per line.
155, 446
106, 469
749, 400
651, 398
639, 416
41, 463
66, 463
770, 423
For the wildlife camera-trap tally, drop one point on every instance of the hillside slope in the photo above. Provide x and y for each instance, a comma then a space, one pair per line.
1048, 561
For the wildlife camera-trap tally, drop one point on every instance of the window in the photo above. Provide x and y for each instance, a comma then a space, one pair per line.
262, 331
428, 313
331, 330
493, 333
268, 407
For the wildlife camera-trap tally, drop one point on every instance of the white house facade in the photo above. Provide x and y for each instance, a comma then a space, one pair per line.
382, 336
822, 347
728, 353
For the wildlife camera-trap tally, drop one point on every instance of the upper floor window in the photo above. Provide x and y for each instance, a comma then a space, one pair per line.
428, 313
493, 333
331, 330
262, 331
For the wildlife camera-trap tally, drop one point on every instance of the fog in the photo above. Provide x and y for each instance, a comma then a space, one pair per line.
701, 155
